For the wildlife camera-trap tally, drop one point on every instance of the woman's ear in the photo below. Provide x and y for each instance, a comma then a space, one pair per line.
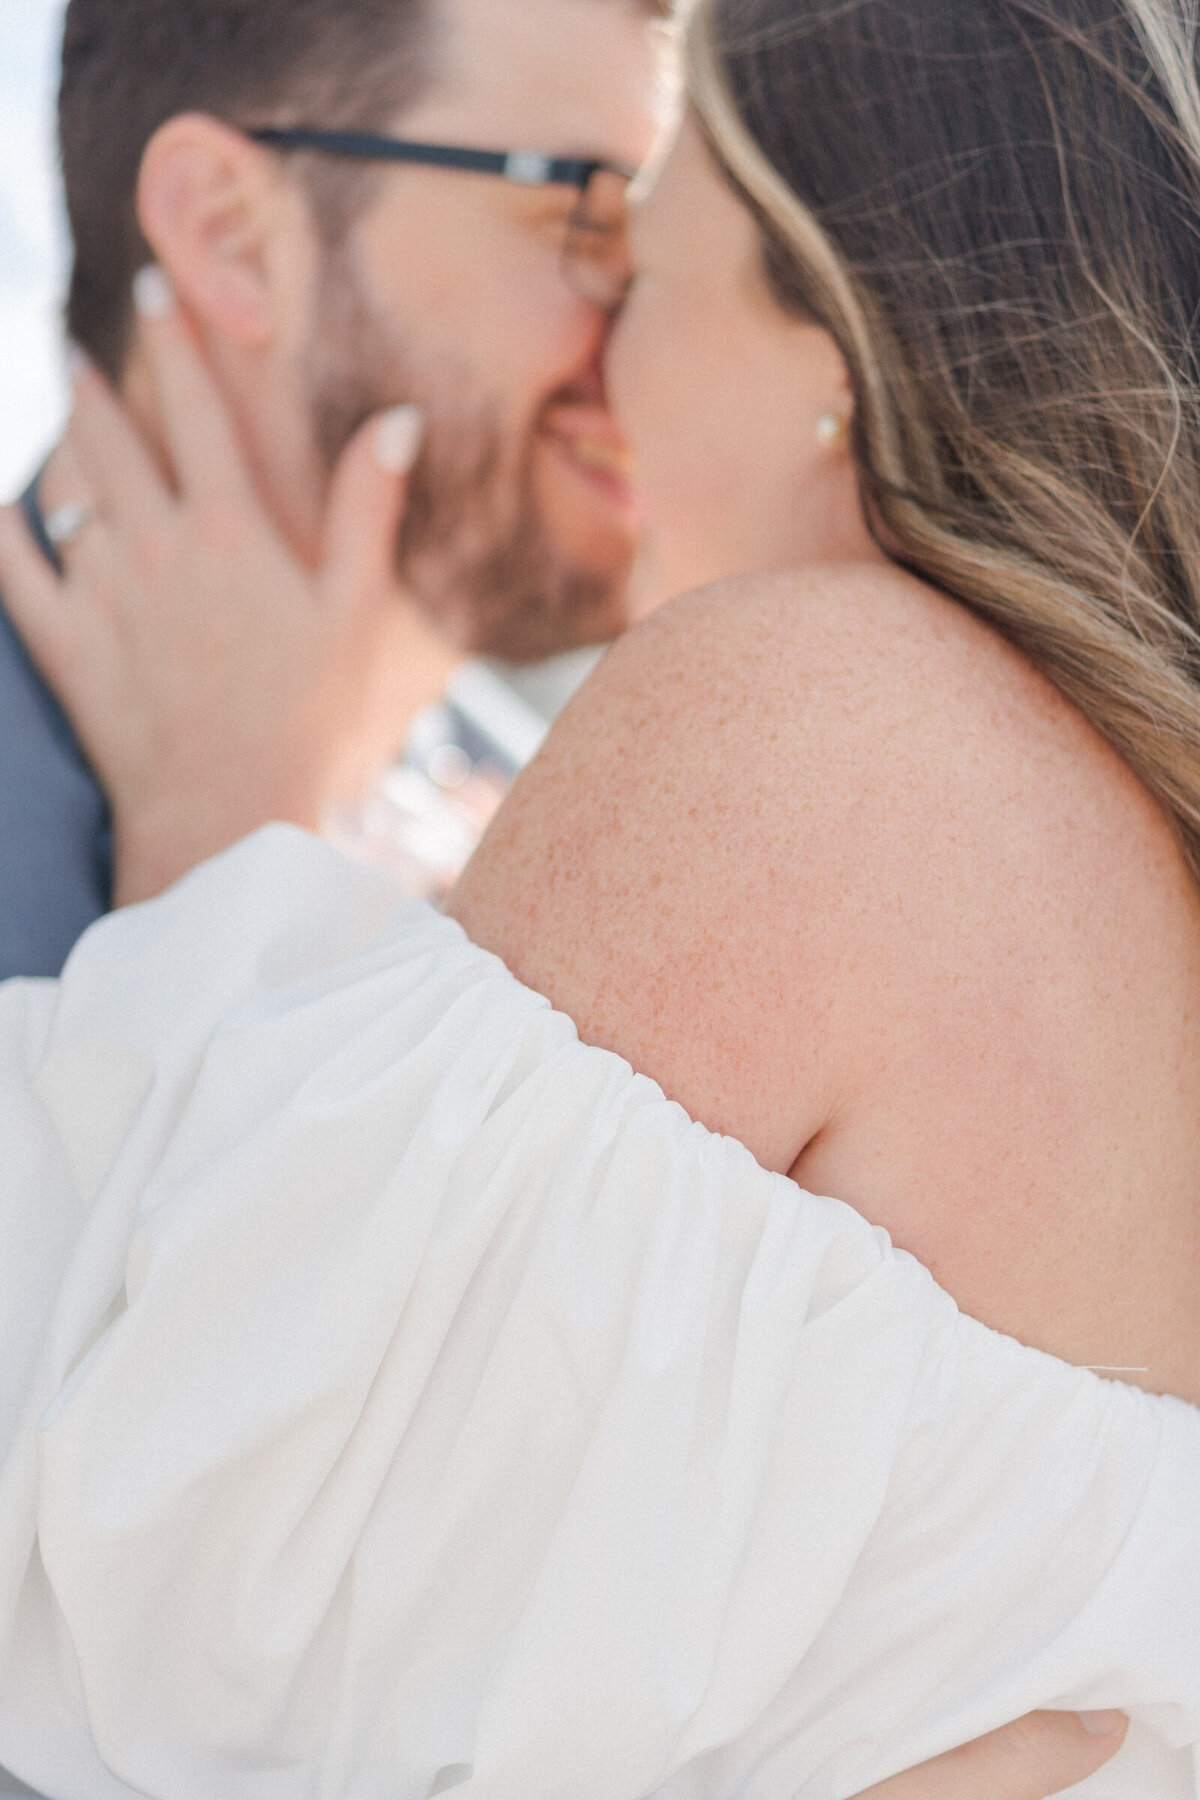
223, 223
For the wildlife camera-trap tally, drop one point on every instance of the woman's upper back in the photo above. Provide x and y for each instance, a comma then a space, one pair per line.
832, 862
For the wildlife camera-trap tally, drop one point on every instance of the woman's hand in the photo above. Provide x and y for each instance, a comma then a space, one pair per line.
1031, 1759
215, 680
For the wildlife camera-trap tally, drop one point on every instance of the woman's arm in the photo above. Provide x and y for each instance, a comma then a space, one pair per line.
1031, 1759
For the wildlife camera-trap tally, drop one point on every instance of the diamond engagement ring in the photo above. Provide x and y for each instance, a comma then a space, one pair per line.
65, 522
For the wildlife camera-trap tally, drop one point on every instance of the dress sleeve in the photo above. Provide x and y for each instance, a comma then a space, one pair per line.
420, 1401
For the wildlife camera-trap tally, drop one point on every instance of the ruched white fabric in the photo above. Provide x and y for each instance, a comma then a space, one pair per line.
398, 1397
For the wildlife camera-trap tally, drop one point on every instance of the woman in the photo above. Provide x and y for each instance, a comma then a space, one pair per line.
937, 951
970, 359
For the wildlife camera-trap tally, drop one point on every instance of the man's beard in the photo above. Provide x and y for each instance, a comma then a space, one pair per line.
473, 551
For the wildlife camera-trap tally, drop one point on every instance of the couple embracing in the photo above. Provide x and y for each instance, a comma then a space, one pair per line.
428, 1365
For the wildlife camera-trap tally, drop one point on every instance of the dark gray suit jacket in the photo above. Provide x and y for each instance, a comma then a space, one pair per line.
55, 835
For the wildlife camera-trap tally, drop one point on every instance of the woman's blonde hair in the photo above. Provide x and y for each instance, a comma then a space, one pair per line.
994, 207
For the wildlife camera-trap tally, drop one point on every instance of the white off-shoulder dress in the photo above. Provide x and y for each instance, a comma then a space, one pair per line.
399, 1397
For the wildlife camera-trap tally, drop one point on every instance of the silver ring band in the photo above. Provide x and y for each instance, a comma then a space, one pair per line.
65, 522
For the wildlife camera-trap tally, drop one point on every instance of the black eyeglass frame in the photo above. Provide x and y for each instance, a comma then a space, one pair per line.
527, 168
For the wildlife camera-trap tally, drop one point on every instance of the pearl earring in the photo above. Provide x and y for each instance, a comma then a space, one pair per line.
829, 428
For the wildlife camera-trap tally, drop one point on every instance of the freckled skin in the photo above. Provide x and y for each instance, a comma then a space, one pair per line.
830, 861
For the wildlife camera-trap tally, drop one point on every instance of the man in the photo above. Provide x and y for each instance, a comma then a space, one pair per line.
325, 286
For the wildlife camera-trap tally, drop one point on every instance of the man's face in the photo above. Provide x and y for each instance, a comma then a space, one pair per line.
450, 291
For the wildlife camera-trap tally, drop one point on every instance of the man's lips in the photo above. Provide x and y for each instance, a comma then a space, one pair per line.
595, 444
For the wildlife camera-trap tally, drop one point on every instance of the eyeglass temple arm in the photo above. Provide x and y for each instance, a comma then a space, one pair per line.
527, 167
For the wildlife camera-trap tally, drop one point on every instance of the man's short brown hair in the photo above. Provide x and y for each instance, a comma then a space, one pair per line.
130, 65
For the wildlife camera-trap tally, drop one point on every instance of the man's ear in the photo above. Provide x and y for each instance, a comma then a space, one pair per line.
224, 224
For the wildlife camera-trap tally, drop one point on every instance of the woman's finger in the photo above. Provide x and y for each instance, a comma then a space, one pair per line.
67, 485
33, 594
203, 446
366, 501
118, 469
1031, 1759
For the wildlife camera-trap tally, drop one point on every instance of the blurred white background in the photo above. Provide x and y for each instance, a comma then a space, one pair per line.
32, 239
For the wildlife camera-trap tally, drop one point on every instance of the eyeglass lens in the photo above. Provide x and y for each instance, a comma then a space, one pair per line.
596, 253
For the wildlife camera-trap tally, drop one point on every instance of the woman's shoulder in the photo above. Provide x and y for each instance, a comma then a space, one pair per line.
800, 728
842, 652
855, 723
795, 695
841, 871
781, 815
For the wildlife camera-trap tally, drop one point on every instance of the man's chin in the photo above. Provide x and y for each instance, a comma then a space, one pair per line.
562, 581
557, 580
529, 622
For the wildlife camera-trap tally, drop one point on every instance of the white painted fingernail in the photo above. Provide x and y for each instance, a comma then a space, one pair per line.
153, 294
1102, 1724
398, 438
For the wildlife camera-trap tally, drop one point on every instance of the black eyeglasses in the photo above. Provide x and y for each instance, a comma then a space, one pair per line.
595, 254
